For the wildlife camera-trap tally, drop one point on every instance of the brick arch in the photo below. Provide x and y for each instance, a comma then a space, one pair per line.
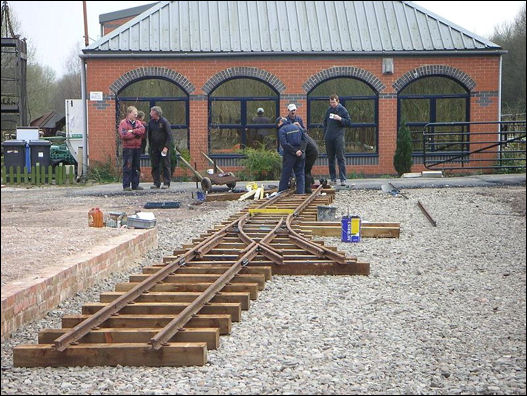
151, 72
434, 70
245, 71
343, 71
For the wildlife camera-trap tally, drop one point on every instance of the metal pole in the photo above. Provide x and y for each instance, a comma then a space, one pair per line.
86, 39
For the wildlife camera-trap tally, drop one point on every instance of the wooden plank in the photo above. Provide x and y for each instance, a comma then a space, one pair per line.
222, 322
211, 336
174, 354
320, 268
216, 268
160, 308
200, 278
367, 231
242, 298
251, 288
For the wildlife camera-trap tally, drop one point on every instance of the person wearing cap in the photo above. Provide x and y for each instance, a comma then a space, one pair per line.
291, 118
336, 120
261, 133
311, 151
293, 143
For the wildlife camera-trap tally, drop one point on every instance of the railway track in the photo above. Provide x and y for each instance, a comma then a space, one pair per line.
174, 312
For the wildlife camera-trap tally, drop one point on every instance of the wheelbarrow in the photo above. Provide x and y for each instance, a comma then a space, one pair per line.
216, 177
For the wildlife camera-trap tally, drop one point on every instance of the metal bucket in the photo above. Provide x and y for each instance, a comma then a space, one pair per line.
326, 213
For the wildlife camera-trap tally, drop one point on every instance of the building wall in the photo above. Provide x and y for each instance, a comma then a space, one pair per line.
292, 76
108, 26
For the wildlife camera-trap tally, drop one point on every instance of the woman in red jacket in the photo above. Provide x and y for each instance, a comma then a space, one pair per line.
131, 132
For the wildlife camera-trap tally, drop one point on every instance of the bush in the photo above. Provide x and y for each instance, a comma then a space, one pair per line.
103, 172
261, 164
402, 160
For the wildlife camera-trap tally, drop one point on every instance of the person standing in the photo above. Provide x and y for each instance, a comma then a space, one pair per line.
131, 132
336, 120
311, 156
160, 140
293, 144
260, 133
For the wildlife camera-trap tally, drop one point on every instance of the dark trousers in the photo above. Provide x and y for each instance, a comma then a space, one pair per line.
335, 148
295, 164
310, 160
131, 167
160, 164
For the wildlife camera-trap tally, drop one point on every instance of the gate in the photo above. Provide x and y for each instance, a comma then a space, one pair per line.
475, 145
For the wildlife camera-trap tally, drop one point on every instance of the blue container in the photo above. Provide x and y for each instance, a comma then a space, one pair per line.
201, 196
351, 226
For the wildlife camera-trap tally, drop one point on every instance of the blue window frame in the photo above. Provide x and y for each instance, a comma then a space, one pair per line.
435, 99
362, 103
149, 92
233, 120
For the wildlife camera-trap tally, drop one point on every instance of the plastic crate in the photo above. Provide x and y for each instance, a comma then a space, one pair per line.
134, 221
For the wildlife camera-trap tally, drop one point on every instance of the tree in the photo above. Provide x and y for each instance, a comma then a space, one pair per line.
402, 160
511, 37
69, 85
40, 89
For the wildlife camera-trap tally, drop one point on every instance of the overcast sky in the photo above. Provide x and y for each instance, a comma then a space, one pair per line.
56, 28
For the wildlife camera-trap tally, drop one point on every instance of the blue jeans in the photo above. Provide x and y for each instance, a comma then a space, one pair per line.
295, 164
131, 167
335, 148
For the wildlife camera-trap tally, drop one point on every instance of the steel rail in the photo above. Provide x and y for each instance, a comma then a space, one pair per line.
165, 334
262, 246
304, 243
84, 327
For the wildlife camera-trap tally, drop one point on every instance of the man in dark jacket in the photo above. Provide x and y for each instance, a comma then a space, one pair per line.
293, 143
160, 140
336, 120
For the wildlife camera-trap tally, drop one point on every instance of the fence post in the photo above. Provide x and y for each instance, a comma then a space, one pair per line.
37, 174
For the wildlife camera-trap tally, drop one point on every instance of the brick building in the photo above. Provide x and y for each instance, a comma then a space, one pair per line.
210, 65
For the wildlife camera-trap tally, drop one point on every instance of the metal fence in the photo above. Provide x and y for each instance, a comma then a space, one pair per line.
475, 145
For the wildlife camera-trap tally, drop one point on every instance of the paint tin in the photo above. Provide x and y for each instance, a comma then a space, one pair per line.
351, 226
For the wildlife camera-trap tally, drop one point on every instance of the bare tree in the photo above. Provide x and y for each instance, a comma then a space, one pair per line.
69, 85
512, 38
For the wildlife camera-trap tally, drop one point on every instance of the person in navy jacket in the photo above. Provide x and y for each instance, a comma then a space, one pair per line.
293, 143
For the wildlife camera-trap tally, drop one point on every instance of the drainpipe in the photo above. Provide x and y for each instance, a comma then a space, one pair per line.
83, 97
499, 88
85, 153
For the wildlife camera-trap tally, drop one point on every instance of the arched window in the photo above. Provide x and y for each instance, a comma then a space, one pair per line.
149, 92
434, 99
234, 120
359, 99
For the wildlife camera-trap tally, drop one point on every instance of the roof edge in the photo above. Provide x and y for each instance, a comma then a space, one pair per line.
110, 16
135, 54
452, 24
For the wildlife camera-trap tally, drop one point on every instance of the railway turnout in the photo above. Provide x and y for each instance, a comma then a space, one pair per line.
174, 312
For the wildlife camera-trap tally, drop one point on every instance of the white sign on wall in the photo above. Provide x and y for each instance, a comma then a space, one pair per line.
95, 95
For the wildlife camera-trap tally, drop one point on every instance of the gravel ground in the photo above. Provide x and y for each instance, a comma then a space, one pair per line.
442, 312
